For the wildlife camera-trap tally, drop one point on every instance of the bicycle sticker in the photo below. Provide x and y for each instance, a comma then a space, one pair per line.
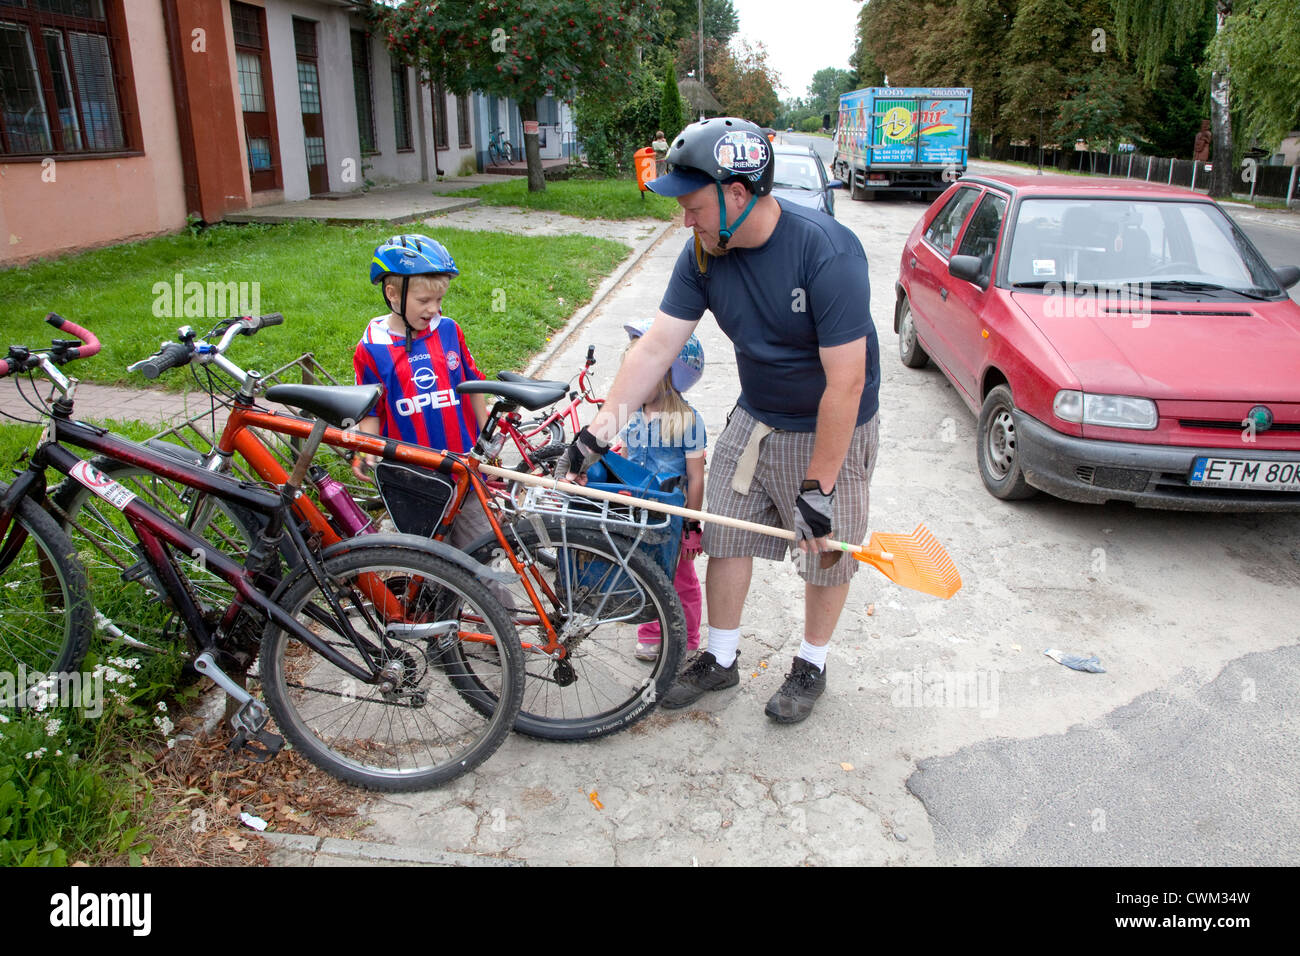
102, 485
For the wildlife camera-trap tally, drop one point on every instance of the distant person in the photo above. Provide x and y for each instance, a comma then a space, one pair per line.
660, 146
1201, 148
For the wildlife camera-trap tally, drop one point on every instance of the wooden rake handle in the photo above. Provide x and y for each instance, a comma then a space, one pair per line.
896, 566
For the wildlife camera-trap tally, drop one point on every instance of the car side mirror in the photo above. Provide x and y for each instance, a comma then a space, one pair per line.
835, 184
966, 267
1287, 275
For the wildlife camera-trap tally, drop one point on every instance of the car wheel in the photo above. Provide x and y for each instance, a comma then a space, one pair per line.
999, 459
909, 346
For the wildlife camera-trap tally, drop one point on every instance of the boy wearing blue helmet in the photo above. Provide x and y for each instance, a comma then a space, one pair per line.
419, 356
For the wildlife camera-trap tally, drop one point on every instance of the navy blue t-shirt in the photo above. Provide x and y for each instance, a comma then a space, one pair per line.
805, 288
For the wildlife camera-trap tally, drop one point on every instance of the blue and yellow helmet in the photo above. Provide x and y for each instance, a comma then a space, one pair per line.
688, 367
411, 255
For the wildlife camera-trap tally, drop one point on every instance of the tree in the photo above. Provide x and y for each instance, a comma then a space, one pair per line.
672, 117
1264, 49
1153, 29
826, 86
522, 49
744, 83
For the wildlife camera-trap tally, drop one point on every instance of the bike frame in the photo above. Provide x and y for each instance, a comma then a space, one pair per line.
237, 436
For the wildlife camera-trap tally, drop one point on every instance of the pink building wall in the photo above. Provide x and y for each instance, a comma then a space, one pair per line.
101, 201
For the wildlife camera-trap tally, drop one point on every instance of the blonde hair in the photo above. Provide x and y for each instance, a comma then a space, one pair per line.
439, 281
676, 417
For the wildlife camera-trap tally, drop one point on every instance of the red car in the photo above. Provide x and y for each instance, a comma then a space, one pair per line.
1118, 341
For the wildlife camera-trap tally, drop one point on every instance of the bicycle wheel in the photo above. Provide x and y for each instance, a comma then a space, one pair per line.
127, 604
508, 151
599, 687
494, 155
44, 605
419, 730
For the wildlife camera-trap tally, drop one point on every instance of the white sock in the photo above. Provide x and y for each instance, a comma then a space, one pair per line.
813, 654
723, 644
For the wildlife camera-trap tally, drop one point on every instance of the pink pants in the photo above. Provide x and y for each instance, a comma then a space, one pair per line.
687, 584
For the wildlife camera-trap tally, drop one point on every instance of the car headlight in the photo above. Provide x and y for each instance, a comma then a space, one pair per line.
1110, 411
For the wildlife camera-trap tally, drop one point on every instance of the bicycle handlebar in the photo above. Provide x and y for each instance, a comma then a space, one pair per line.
89, 343
61, 351
170, 355
253, 323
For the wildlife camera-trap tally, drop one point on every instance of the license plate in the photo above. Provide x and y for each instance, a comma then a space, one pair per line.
1246, 473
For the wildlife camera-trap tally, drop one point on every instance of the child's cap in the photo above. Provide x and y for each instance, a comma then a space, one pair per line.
411, 255
688, 367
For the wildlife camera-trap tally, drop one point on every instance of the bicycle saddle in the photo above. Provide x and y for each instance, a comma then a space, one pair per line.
340, 405
516, 377
532, 395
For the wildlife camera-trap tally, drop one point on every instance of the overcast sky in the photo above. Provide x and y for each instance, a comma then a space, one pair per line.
802, 36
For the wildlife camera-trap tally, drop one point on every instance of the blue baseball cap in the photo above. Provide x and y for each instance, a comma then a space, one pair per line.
679, 182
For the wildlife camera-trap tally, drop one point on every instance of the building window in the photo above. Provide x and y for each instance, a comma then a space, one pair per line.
401, 108
439, 117
365, 95
462, 120
59, 91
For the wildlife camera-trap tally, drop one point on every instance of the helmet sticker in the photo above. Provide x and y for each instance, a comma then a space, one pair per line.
742, 152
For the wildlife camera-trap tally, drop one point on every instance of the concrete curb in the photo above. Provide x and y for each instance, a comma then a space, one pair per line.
579, 318
443, 206
295, 849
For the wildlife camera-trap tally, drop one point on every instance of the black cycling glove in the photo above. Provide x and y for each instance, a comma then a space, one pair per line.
584, 450
812, 514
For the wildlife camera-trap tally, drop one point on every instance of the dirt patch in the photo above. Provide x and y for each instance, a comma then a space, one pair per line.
199, 789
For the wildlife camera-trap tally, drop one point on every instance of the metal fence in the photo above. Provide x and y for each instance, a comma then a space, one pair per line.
1253, 179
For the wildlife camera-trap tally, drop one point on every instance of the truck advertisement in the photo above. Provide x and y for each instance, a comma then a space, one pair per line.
895, 139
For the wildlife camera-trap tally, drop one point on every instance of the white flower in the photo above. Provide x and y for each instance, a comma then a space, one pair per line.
162, 705
3, 719
52, 726
163, 724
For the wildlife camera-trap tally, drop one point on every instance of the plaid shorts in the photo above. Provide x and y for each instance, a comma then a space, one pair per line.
782, 465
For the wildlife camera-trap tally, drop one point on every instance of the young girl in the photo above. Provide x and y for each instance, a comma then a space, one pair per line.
666, 436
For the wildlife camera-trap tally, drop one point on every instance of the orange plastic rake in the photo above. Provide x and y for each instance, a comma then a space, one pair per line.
917, 560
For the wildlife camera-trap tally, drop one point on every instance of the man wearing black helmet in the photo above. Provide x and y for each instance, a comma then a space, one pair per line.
789, 287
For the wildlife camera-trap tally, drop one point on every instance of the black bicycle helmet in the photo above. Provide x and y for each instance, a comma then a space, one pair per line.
718, 150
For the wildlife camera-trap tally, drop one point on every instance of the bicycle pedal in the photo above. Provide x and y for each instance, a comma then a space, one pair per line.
258, 746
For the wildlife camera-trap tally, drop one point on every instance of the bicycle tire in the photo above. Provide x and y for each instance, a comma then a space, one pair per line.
508, 150
106, 546
366, 739
494, 155
45, 611
608, 689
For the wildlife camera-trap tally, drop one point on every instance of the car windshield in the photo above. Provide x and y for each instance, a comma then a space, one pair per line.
1191, 246
796, 172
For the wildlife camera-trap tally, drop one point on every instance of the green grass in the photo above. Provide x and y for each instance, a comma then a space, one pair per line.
589, 198
512, 293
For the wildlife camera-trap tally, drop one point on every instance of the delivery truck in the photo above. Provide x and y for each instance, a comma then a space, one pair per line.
902, 139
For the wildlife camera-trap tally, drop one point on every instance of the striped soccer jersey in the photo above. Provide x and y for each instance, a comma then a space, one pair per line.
420, 402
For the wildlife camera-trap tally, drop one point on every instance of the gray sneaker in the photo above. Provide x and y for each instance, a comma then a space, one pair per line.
795, 700
701, 674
